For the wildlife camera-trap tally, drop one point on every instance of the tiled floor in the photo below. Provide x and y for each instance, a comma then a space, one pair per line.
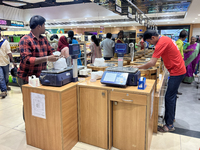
13, 137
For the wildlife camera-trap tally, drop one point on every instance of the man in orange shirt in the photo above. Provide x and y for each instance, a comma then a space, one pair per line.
173, 61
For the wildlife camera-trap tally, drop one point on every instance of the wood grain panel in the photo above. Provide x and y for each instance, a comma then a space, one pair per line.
129, 126
94, 117
150, 119
135, 98
69, 118
43, 133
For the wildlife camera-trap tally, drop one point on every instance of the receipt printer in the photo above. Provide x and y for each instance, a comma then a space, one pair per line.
142, 83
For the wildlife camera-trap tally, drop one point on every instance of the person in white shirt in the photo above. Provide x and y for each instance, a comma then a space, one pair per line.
5, 57
108, 47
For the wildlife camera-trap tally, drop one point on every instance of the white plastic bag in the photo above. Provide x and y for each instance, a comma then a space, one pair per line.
96, 75
33, 81
60, 64
99, 62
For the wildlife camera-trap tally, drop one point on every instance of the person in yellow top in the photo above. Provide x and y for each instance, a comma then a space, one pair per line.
179, 42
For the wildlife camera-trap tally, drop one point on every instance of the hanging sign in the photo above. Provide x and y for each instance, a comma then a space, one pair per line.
118, 5
136, 16
156, 28
11, 23
130, 13
140, 19
146, 22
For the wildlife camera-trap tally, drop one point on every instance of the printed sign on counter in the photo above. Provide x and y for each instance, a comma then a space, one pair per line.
38, 105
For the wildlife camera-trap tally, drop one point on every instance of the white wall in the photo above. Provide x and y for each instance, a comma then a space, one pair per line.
196, 31
11, 13
69, 12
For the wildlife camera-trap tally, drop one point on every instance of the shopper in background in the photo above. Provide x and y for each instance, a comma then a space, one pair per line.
176, 67
73, 41
140, 44
179, 42
95, 49
108, 47
63, 46
52, 39
120, 37
191, 59
5, 58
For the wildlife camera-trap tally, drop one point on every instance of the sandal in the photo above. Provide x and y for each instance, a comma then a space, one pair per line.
166, 128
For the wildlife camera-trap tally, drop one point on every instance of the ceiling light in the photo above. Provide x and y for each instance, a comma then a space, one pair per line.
85, 18
93, 26
198, 14
54, 20
84, 27
103, 17
196, 18
109, 25
69, 19
114, 26
193, 21
77, 26
168, 22
71, 28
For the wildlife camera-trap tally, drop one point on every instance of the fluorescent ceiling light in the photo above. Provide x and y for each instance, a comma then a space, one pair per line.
14, 3
196, 18
62, 1
198, 14
32, 1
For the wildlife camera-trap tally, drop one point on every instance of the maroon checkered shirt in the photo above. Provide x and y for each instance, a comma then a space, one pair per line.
31, 48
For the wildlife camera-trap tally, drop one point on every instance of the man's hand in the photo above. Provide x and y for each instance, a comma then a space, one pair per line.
134, 66
53, 58
14, 64
191, 50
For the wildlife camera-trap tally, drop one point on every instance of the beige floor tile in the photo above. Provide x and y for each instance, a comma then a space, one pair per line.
13, 121
4, 129
11, 111
4, 148
189, 143
76, 148
87, 146
15, 140
165, 141
5, 105
21, 127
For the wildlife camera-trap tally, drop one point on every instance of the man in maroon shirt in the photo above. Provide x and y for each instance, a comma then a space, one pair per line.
35, 51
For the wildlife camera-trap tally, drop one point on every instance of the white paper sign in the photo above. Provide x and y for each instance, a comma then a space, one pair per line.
38, 105
152, 100
118, 9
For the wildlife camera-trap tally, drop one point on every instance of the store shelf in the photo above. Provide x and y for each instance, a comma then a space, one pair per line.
14, 43
12, 84
16, 54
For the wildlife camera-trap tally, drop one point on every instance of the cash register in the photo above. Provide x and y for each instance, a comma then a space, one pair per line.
121, 76
55, 77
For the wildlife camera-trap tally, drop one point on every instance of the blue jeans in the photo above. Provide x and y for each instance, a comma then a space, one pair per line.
4, 74
171, 97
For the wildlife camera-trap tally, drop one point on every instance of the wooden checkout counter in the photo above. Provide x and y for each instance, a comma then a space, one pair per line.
96, 114
93, 113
